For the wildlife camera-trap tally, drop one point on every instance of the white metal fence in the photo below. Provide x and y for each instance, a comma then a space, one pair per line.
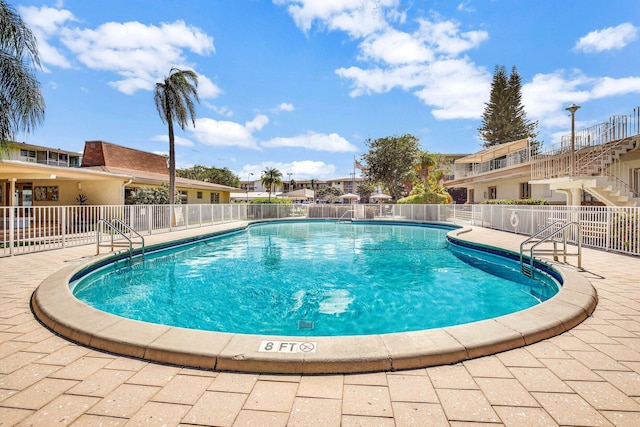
31, 229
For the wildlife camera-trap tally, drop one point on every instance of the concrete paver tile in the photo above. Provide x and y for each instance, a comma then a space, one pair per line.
12, 416
216, 408
592, 336
126, 364
39, 394
65, 355
570, 409
155, 375
360, 421
540, 379
451, 376
101, 383
183, 389
416, 414
490, 366
505, 392
159, 414
604, 396
548, 350
234, 382
124, 401
248, 418
26, 376
81, 368
623, 419
627, 382
63, 410
18, 360
519, 417
597, 360
467, 405
274, 396
9, 347
87, 420
519, 357
618, 352
315, 412
570, 369
567, 341
323, 386
374, 378
411, 388
367, 400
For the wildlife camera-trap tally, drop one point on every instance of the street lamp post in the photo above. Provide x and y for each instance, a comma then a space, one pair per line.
572, 157
248, 182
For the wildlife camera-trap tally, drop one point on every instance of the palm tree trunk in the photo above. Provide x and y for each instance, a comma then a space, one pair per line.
172, 166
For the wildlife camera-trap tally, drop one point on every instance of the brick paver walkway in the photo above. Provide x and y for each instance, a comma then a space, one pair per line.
589, 376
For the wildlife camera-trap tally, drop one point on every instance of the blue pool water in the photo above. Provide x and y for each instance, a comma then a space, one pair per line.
316, 279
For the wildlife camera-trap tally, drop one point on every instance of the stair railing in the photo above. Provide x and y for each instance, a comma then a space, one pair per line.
111, 226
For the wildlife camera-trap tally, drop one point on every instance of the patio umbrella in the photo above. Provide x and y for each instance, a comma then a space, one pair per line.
380, 196
350, 196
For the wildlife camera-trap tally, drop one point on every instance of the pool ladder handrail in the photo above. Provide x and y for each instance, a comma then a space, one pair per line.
118, 230
351, 211
538, 239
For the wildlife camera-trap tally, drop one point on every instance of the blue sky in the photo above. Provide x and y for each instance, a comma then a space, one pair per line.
301, 84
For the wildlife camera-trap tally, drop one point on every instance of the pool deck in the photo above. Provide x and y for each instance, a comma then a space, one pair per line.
589, 375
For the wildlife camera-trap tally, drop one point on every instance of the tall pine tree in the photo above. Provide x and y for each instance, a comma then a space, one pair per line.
504, 118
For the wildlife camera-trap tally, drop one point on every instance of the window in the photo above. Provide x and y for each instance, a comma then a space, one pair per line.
493, 193
525, 190
215, 198
199, 194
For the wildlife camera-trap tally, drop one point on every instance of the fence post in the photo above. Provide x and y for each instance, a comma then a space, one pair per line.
12, 229
63, 228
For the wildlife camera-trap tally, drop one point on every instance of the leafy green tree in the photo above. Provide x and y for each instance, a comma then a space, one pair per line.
21, 101
215, 175
390, 160
151, 196
174, 101
504, 118
328, 194
365, 190
271, 178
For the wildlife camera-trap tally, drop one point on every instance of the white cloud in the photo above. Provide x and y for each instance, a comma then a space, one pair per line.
314, 141
547, 95
284, 106
358, 18
609, 38
222, 133
184, 142
140, 54
428, 61
47, 22
223, 111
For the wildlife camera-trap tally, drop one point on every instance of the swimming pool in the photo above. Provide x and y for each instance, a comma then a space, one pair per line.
316, 278
56, 307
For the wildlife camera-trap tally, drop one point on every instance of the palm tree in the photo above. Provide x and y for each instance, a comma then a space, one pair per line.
21, 101
271, 177
174, 101
426, 162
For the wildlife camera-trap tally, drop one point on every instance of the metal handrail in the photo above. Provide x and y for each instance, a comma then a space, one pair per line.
547, 237
352, 211
120, 232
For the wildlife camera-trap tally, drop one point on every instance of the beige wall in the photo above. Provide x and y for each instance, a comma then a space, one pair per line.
510, 189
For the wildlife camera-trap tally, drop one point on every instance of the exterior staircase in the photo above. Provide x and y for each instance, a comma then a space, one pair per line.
592, 161
601, 163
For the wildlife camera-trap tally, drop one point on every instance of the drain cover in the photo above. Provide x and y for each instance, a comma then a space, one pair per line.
305, 324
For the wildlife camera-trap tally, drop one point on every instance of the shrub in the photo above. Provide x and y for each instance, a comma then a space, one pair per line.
515, 202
